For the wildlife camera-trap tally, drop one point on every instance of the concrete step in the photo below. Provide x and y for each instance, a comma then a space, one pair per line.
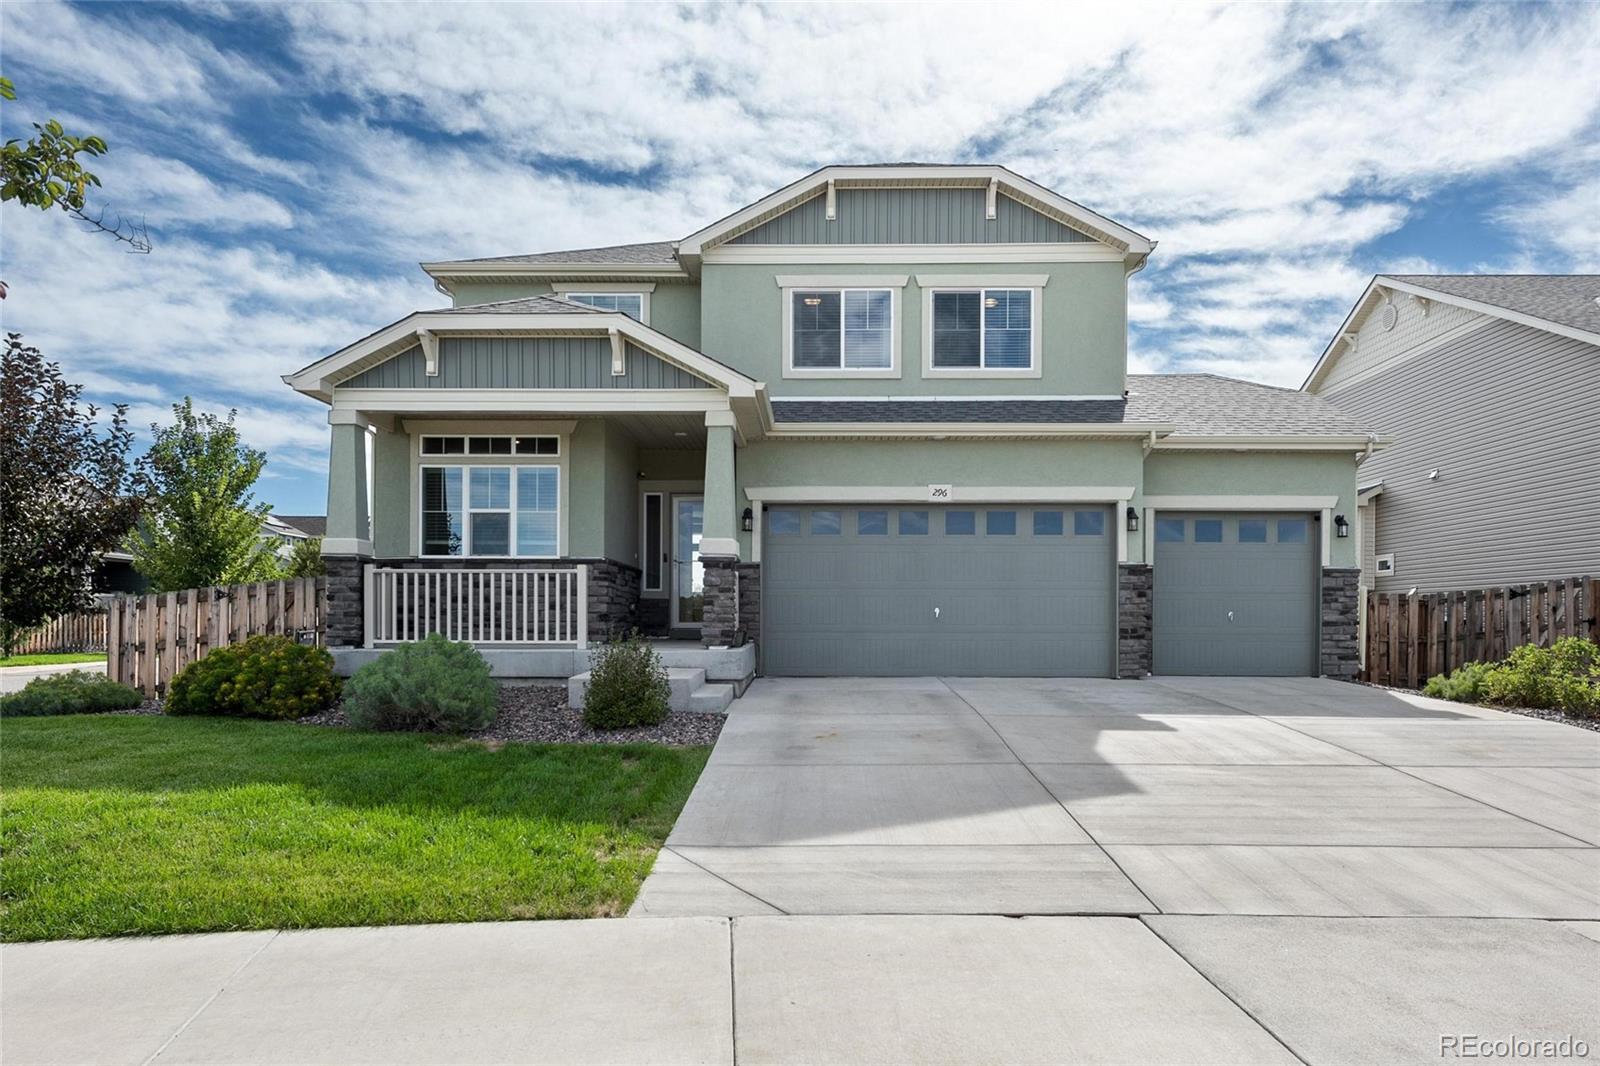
685, 683
711, 699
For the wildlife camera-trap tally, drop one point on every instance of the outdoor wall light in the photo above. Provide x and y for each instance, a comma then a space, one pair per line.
748, 522
1133, 520
1341, 526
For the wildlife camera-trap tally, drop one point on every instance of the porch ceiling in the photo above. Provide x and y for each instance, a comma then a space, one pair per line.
668, 432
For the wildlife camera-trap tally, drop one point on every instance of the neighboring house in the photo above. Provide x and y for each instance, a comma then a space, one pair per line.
878, 422
309, 525
1489, 386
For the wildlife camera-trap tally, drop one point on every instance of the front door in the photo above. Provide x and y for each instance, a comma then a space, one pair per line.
688, 576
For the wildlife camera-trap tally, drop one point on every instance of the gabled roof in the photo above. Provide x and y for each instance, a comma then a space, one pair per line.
530, 315
1563, 299
1563, 304
1135, 245
652, 257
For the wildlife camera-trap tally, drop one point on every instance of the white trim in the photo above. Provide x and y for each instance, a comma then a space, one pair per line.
511, 427
494, 401
1241, 503
983, 281
1270, 444
430, 352
841, 281
989, 205
720, 547
1035, 367
893, 370
346, 546
1069, 252
487, 436
722, 418
757, 512
1377, 564
936, 430
418, 428
919, 494
347, 418
1016, 185
1368, 494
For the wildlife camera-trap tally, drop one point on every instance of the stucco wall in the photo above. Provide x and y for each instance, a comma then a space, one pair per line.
1083, 329
1223, 473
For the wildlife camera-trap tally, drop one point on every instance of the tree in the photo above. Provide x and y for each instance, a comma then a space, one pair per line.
201, 524
65, 494
47, 173
305, 559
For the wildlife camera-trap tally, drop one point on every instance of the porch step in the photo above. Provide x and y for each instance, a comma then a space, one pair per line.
689, 691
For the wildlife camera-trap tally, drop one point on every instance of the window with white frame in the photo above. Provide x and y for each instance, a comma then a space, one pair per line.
485, 445
842, 329
483, 510
983, 329
629, 303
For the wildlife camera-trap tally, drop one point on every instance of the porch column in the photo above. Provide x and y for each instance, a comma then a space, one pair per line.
347, 545
719, 536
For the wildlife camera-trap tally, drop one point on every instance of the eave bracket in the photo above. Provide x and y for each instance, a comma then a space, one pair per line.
430, 352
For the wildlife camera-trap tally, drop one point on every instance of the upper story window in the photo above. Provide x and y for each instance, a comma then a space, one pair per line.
983, 329
631, 304
841, 329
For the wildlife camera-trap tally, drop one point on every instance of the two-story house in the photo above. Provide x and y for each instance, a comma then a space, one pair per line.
877, 422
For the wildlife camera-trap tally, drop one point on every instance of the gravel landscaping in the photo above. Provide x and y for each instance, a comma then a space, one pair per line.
1531, 712
539, 714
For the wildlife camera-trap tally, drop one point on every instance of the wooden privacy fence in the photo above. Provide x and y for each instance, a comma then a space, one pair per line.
70, 632
1411, 638
151, 638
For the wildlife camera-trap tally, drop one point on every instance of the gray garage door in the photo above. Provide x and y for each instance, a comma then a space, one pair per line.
1236, 594
913, 591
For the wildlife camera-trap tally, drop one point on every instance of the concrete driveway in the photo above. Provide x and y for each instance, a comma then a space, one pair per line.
1246, 796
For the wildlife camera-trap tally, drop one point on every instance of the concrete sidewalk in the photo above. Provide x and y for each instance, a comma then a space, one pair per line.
16, 678
846, 989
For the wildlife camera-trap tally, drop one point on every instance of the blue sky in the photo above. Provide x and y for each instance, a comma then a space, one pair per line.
295, 162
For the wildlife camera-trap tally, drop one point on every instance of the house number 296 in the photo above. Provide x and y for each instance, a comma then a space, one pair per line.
939, 493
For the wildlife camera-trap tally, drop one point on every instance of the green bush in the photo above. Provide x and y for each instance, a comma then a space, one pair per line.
264, 677
434, 685
1464, 684
77, 692
627, 686
1565, 676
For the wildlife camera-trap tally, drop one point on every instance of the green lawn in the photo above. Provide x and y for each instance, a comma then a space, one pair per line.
118, 825
53, 657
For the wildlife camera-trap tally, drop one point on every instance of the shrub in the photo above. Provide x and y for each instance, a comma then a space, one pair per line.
434, 685
1464, 684
627, 686
77, 692
1565, 676
264, 677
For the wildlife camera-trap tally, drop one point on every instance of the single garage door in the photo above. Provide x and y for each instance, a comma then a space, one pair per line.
921, 591
1236, 594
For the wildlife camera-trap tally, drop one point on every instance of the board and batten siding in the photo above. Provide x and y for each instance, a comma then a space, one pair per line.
911, 216
524, 363
1509, 416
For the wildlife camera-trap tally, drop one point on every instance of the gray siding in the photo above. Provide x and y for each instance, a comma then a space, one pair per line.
911, 216
524, 363
1510, 417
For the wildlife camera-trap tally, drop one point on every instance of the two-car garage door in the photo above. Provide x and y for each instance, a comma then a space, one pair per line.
923, 590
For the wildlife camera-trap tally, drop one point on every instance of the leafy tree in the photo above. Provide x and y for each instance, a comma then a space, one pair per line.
201, 525
46, 173
305, 559
64, 491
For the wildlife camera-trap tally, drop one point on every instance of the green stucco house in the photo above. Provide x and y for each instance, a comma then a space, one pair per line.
877, 422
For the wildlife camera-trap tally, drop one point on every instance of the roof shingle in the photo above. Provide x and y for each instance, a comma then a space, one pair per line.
649, 253
1565, 299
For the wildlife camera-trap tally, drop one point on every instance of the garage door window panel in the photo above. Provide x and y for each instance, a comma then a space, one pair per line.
1089, 523
913, 523
960, 523
1000, 523
783, 523
872, 523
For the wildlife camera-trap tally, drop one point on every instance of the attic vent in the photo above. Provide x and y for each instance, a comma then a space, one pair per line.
1388, 316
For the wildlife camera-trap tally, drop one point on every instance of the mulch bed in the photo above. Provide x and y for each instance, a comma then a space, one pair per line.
1530, 712
539, 714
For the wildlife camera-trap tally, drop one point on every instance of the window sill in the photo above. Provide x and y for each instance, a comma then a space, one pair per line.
808, 372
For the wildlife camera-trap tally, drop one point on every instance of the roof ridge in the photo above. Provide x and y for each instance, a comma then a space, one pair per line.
553, 297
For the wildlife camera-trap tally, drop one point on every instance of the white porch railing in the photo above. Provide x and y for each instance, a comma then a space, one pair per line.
481, 606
